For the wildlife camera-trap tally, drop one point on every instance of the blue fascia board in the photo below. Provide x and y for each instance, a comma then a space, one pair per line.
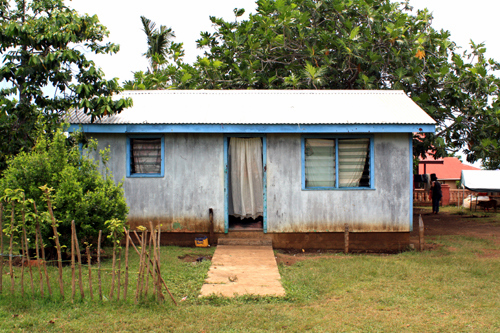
249, 128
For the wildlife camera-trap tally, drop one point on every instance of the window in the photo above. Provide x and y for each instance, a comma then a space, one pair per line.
337, 163
145, 156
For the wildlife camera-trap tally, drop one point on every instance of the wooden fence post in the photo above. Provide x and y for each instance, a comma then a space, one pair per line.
99, 264
72, 262
211, 218
162, 280
25, 237
11, 244
42, 246
127, 240
79, 257
421, 232
37, 248
89, 263
56, 238
118, 275
113, 271
346, 238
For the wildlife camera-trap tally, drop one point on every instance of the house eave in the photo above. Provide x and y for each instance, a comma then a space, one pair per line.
253, 128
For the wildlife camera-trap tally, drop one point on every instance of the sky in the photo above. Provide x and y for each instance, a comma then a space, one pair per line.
464, 19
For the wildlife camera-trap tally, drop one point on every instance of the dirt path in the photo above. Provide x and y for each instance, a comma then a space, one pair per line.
243, 270
475, 225
444, 223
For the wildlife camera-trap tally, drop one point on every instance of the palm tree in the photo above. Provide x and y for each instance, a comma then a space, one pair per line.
158, 42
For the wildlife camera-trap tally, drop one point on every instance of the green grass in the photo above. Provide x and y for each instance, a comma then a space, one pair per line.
447, 290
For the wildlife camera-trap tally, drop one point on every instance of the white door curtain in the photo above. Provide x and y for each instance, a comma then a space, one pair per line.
246, 178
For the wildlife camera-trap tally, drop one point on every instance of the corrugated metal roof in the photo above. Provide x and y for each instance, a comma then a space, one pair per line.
265, 107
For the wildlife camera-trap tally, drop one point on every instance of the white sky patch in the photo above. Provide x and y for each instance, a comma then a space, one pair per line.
122, 18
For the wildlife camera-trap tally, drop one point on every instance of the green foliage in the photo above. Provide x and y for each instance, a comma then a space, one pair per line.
353, 44
79, 191
115, 228
43, 45
158, 42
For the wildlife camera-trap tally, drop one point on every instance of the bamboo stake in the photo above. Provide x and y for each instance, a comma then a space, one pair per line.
151, 236
72, 262
144, 238
126, 266
153, 255
162, 298
113, 272
39, 234
27, 252
79, 256
89, 263
11, 271
156, 264
118, 276
22, 266
37, 247
99, 264
421, 232
1, 248
162, 280
141, 256
58, 245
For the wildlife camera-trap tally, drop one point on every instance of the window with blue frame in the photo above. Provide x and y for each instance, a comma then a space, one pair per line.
337, 163
145, 156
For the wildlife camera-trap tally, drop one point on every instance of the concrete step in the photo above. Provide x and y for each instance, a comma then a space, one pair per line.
245, 241
255, 234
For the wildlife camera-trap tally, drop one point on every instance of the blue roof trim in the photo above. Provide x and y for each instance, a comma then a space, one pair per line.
251, 128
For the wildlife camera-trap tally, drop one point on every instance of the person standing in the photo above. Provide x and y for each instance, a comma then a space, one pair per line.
435, 193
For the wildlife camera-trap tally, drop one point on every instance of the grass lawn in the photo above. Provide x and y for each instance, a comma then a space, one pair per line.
454, 288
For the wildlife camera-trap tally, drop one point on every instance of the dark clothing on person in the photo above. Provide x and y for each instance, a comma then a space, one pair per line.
436, 196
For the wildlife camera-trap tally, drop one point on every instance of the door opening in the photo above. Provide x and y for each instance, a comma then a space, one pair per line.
245, 184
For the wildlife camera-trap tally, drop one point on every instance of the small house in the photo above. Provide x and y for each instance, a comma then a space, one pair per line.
448, 170
294, 166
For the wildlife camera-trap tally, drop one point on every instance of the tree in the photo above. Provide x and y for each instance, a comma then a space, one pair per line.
357, 44
82, 190
158, 42
45, 73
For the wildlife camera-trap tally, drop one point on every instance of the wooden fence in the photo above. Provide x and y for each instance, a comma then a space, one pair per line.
33, 274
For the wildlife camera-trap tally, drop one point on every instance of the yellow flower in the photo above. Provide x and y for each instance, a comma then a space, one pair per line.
420, 54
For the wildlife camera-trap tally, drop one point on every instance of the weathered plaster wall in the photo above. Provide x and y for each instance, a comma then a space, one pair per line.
291, 209
193, 183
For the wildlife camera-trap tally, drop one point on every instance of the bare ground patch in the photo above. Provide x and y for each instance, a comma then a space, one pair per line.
194, 257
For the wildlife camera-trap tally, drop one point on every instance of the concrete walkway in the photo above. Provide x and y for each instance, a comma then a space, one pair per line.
243, 270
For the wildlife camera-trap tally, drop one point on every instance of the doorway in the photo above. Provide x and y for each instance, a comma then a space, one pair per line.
245, 183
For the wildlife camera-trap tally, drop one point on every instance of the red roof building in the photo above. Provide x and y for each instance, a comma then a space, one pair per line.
447, 172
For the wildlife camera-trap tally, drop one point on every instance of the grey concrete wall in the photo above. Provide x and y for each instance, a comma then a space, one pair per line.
193, 183
291, 209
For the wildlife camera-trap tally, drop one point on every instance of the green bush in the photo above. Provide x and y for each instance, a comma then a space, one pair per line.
80, 190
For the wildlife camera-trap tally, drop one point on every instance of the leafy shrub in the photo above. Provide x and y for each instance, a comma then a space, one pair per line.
80, 191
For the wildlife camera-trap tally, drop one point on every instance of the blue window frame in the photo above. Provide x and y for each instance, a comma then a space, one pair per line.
145, 156
333, 162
